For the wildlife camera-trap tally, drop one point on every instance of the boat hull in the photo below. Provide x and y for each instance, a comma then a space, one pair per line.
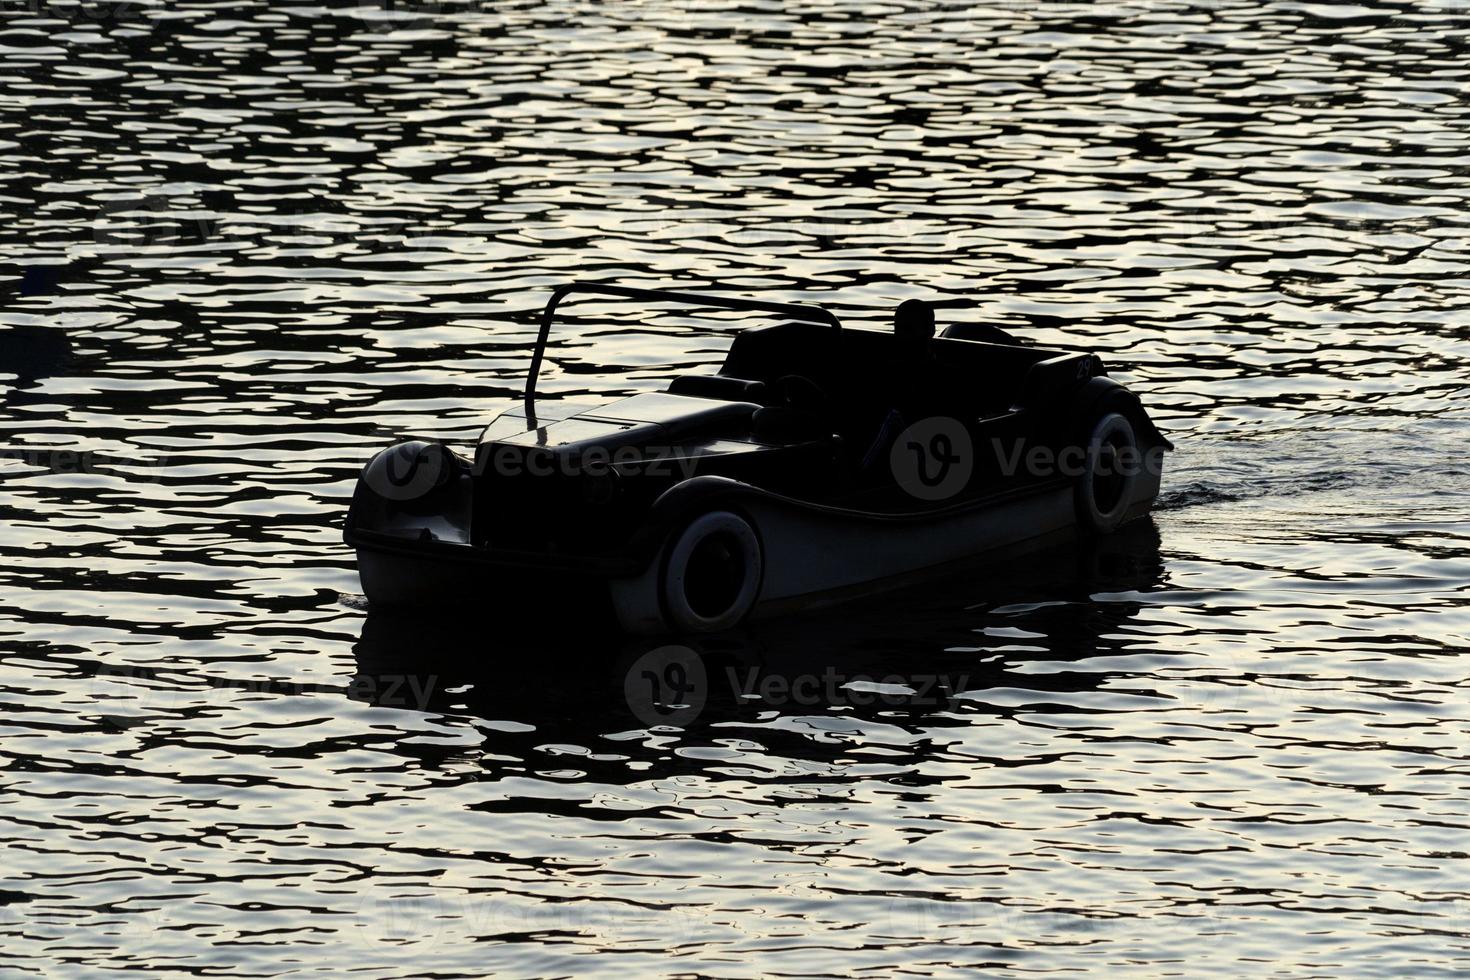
812, 557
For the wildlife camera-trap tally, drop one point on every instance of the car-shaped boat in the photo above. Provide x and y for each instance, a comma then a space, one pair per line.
817, 464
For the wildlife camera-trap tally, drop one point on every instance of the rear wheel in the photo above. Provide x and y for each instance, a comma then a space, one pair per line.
712, 574
1104, 490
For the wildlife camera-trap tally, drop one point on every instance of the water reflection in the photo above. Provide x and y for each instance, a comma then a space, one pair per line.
925, 655
272, 239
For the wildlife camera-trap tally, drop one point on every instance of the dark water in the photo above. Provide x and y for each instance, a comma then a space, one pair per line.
249, 243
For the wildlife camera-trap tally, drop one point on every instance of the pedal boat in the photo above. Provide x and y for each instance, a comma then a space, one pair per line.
787, 480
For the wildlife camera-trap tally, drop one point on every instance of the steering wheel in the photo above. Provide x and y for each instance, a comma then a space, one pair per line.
800, 393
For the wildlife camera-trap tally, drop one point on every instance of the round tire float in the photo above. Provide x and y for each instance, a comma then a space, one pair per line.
712, 574
1110, 468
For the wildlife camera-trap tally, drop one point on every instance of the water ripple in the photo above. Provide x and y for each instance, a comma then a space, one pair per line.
249, 243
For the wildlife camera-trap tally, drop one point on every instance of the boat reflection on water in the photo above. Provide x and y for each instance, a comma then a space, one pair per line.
912, 654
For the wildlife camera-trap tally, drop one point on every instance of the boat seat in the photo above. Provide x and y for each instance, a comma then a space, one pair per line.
855, 367
719, 386
1044, 379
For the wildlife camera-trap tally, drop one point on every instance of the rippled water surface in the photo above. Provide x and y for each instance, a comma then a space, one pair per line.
249, 243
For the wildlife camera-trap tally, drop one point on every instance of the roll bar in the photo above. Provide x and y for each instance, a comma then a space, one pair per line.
796, 311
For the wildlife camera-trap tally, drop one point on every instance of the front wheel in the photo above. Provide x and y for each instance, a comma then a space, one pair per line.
712, 573
1104, 490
